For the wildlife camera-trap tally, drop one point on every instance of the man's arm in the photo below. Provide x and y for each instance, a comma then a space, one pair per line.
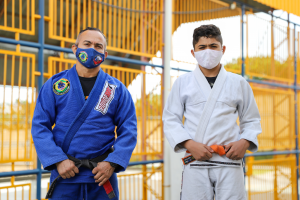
43, 119
126, 122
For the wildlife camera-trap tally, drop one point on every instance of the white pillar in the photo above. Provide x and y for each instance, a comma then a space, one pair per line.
167, 88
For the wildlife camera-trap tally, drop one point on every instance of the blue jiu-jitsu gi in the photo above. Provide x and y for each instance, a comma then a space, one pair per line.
109, 105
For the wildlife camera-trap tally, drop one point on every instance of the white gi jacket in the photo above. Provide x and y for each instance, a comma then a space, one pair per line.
189, 96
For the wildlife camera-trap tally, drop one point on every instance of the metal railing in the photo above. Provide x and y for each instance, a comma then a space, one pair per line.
271, 71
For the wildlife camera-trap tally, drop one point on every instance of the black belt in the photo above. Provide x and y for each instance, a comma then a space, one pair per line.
90, 164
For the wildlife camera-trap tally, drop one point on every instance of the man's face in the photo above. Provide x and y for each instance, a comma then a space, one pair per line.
208, 43
91, 39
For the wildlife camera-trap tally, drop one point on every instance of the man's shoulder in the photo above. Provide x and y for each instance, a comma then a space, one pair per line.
114, 81
59, 76
56, 77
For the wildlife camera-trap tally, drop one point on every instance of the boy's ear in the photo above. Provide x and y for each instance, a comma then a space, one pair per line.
192, 52
224, 49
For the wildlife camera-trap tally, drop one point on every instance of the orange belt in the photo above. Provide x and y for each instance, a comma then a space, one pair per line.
219, 149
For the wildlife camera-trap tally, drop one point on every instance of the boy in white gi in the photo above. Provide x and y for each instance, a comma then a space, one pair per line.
211, 99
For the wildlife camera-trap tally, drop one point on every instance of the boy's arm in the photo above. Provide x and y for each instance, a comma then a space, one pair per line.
249, 117
172, 119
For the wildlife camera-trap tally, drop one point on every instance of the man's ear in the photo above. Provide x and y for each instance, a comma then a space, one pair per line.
192, 52
74, 49
106, 53
224, 49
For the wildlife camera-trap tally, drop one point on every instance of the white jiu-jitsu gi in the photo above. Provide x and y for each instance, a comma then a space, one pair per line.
232, 97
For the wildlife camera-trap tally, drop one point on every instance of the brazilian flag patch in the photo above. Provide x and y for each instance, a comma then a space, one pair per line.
62, 86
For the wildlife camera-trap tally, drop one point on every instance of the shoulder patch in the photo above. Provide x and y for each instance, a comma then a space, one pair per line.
62, 86
106, 97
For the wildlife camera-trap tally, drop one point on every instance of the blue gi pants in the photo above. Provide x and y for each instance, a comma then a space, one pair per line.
84, 191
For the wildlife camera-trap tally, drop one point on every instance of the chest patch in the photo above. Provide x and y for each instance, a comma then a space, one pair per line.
106, 97
62, 86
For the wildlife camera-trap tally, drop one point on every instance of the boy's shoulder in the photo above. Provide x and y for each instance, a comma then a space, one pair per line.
186, 76
236, 78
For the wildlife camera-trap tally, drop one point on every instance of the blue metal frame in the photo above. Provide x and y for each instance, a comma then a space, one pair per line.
37, 171
41, 41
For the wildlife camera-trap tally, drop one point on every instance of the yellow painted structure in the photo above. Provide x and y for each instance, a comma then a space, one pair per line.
135, 27
290, 6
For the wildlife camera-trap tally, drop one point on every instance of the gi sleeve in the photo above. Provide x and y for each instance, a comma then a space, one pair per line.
249, 117
172, 119
43, 119
126, 122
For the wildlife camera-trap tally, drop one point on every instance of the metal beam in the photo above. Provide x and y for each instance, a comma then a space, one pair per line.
41, 41
167, 87
36, 171
259, 10
272, 153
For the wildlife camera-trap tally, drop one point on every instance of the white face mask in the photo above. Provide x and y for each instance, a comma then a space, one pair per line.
208, 58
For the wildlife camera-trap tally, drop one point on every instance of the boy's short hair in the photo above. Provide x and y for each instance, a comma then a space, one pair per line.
209, 31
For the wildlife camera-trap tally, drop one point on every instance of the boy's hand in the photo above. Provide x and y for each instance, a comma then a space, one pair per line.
236, 150
198, 150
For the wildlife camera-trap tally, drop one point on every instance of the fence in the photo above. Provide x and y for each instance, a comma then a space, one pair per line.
270, 62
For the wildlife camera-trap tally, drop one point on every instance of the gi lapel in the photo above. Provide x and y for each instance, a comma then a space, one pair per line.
202, 82
210, 103
88, 105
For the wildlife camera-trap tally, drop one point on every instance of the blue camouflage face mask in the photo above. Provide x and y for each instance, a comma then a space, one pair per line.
90, 58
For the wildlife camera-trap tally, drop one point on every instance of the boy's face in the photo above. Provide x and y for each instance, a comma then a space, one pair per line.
208, 43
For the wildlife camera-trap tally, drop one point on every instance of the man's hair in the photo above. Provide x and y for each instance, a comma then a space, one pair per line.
209, 31
90, 29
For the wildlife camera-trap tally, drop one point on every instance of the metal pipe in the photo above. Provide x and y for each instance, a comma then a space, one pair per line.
258, 10
167, 88
274, 84
36, 171
296, 107
242, 40
41, 41
272, 153
21, 42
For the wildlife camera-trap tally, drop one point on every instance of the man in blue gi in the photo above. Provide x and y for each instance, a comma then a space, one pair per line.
85, 104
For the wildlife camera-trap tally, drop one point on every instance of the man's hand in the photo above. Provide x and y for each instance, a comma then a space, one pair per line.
103, 172
198, 150
236, 150
66, 169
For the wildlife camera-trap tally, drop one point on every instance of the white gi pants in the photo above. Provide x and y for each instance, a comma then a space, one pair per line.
219, 183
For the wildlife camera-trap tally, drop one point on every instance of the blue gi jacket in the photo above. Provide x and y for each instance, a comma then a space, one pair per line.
111, 105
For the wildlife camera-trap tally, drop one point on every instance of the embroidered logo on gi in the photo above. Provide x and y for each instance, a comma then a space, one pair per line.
62, 86
83, 56
97, 60
106, 97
